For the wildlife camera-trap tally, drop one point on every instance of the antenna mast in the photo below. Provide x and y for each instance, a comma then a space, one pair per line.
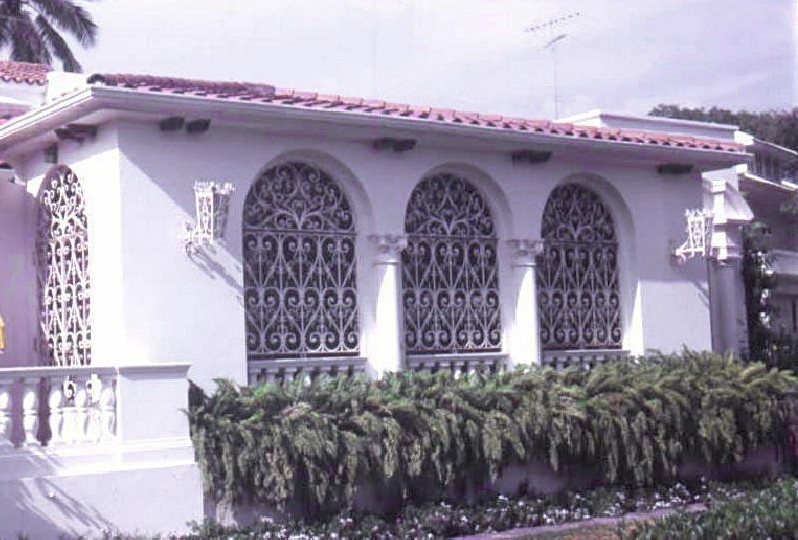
550, 26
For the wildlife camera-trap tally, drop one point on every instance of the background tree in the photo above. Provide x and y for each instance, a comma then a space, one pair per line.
34, 30
779, 126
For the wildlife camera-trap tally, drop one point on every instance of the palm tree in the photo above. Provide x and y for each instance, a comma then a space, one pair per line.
32, 30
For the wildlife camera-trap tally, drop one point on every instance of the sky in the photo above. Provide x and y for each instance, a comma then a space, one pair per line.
474, 55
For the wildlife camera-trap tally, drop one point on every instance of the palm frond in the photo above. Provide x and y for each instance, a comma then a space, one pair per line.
59, 47
68, 17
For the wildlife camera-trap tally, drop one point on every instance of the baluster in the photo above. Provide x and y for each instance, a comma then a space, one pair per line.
55, 400
108, 409
5, 414
30, 410
68, 387
81, 416
94, 388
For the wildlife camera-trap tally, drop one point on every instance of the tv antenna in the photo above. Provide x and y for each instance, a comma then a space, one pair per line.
550, 26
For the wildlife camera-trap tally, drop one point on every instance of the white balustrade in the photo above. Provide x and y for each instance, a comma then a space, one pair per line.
457, 364
585, 358
304, 369
55, 406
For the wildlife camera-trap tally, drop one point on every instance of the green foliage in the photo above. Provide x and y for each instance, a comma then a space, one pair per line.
776, 126
759, 278
491, 514
413, 434
767, 513
37, 31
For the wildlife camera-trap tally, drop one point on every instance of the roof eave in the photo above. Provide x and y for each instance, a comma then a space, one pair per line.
72, 106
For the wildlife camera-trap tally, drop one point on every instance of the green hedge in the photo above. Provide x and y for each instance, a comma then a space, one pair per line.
767, 513
414, 434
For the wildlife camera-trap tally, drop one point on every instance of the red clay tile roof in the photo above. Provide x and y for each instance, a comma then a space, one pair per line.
265, 93
23, 72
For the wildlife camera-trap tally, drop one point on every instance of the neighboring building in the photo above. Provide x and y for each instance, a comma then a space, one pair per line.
362, 235
770, 184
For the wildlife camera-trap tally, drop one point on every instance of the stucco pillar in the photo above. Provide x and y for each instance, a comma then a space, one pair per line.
729, 324
727, 287
385, 350
525, 340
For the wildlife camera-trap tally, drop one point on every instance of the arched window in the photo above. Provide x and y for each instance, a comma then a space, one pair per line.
62, 263
299, 265
578, 274
450, 283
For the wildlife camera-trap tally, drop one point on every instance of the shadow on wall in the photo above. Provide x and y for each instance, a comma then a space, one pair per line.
175, 178
205, 258
40, 508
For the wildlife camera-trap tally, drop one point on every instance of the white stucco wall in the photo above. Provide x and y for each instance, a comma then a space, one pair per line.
17, 282
181, 309
151, 302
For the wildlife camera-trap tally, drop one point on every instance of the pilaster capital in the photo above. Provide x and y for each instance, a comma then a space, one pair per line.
388, 247
525, 251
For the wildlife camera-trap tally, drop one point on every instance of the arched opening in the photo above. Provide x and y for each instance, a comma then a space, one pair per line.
300, 290
450, 282
62, 264
577, 276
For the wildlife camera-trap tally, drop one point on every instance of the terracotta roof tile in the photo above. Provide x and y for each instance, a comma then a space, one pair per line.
23, 72
288, 97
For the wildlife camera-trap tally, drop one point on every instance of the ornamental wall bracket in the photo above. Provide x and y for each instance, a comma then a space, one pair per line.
389, 247
525, 251
699, 237
530, 156
390, 143
212, 206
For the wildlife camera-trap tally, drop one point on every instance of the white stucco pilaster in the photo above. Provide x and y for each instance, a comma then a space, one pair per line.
385, 350
524, 338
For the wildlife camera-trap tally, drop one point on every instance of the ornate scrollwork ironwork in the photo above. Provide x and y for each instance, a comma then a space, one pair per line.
450, 284
578, 292
62, 254
299, 266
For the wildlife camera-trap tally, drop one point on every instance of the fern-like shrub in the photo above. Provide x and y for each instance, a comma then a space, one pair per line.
414, 435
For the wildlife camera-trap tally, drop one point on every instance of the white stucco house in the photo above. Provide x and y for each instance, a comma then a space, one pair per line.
358, 236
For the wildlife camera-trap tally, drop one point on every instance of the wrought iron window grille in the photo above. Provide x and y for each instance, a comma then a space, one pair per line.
62, 267
450, 284
300, 289
577, 273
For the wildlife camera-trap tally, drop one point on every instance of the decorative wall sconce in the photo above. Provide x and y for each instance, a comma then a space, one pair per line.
699, 236
212, 203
